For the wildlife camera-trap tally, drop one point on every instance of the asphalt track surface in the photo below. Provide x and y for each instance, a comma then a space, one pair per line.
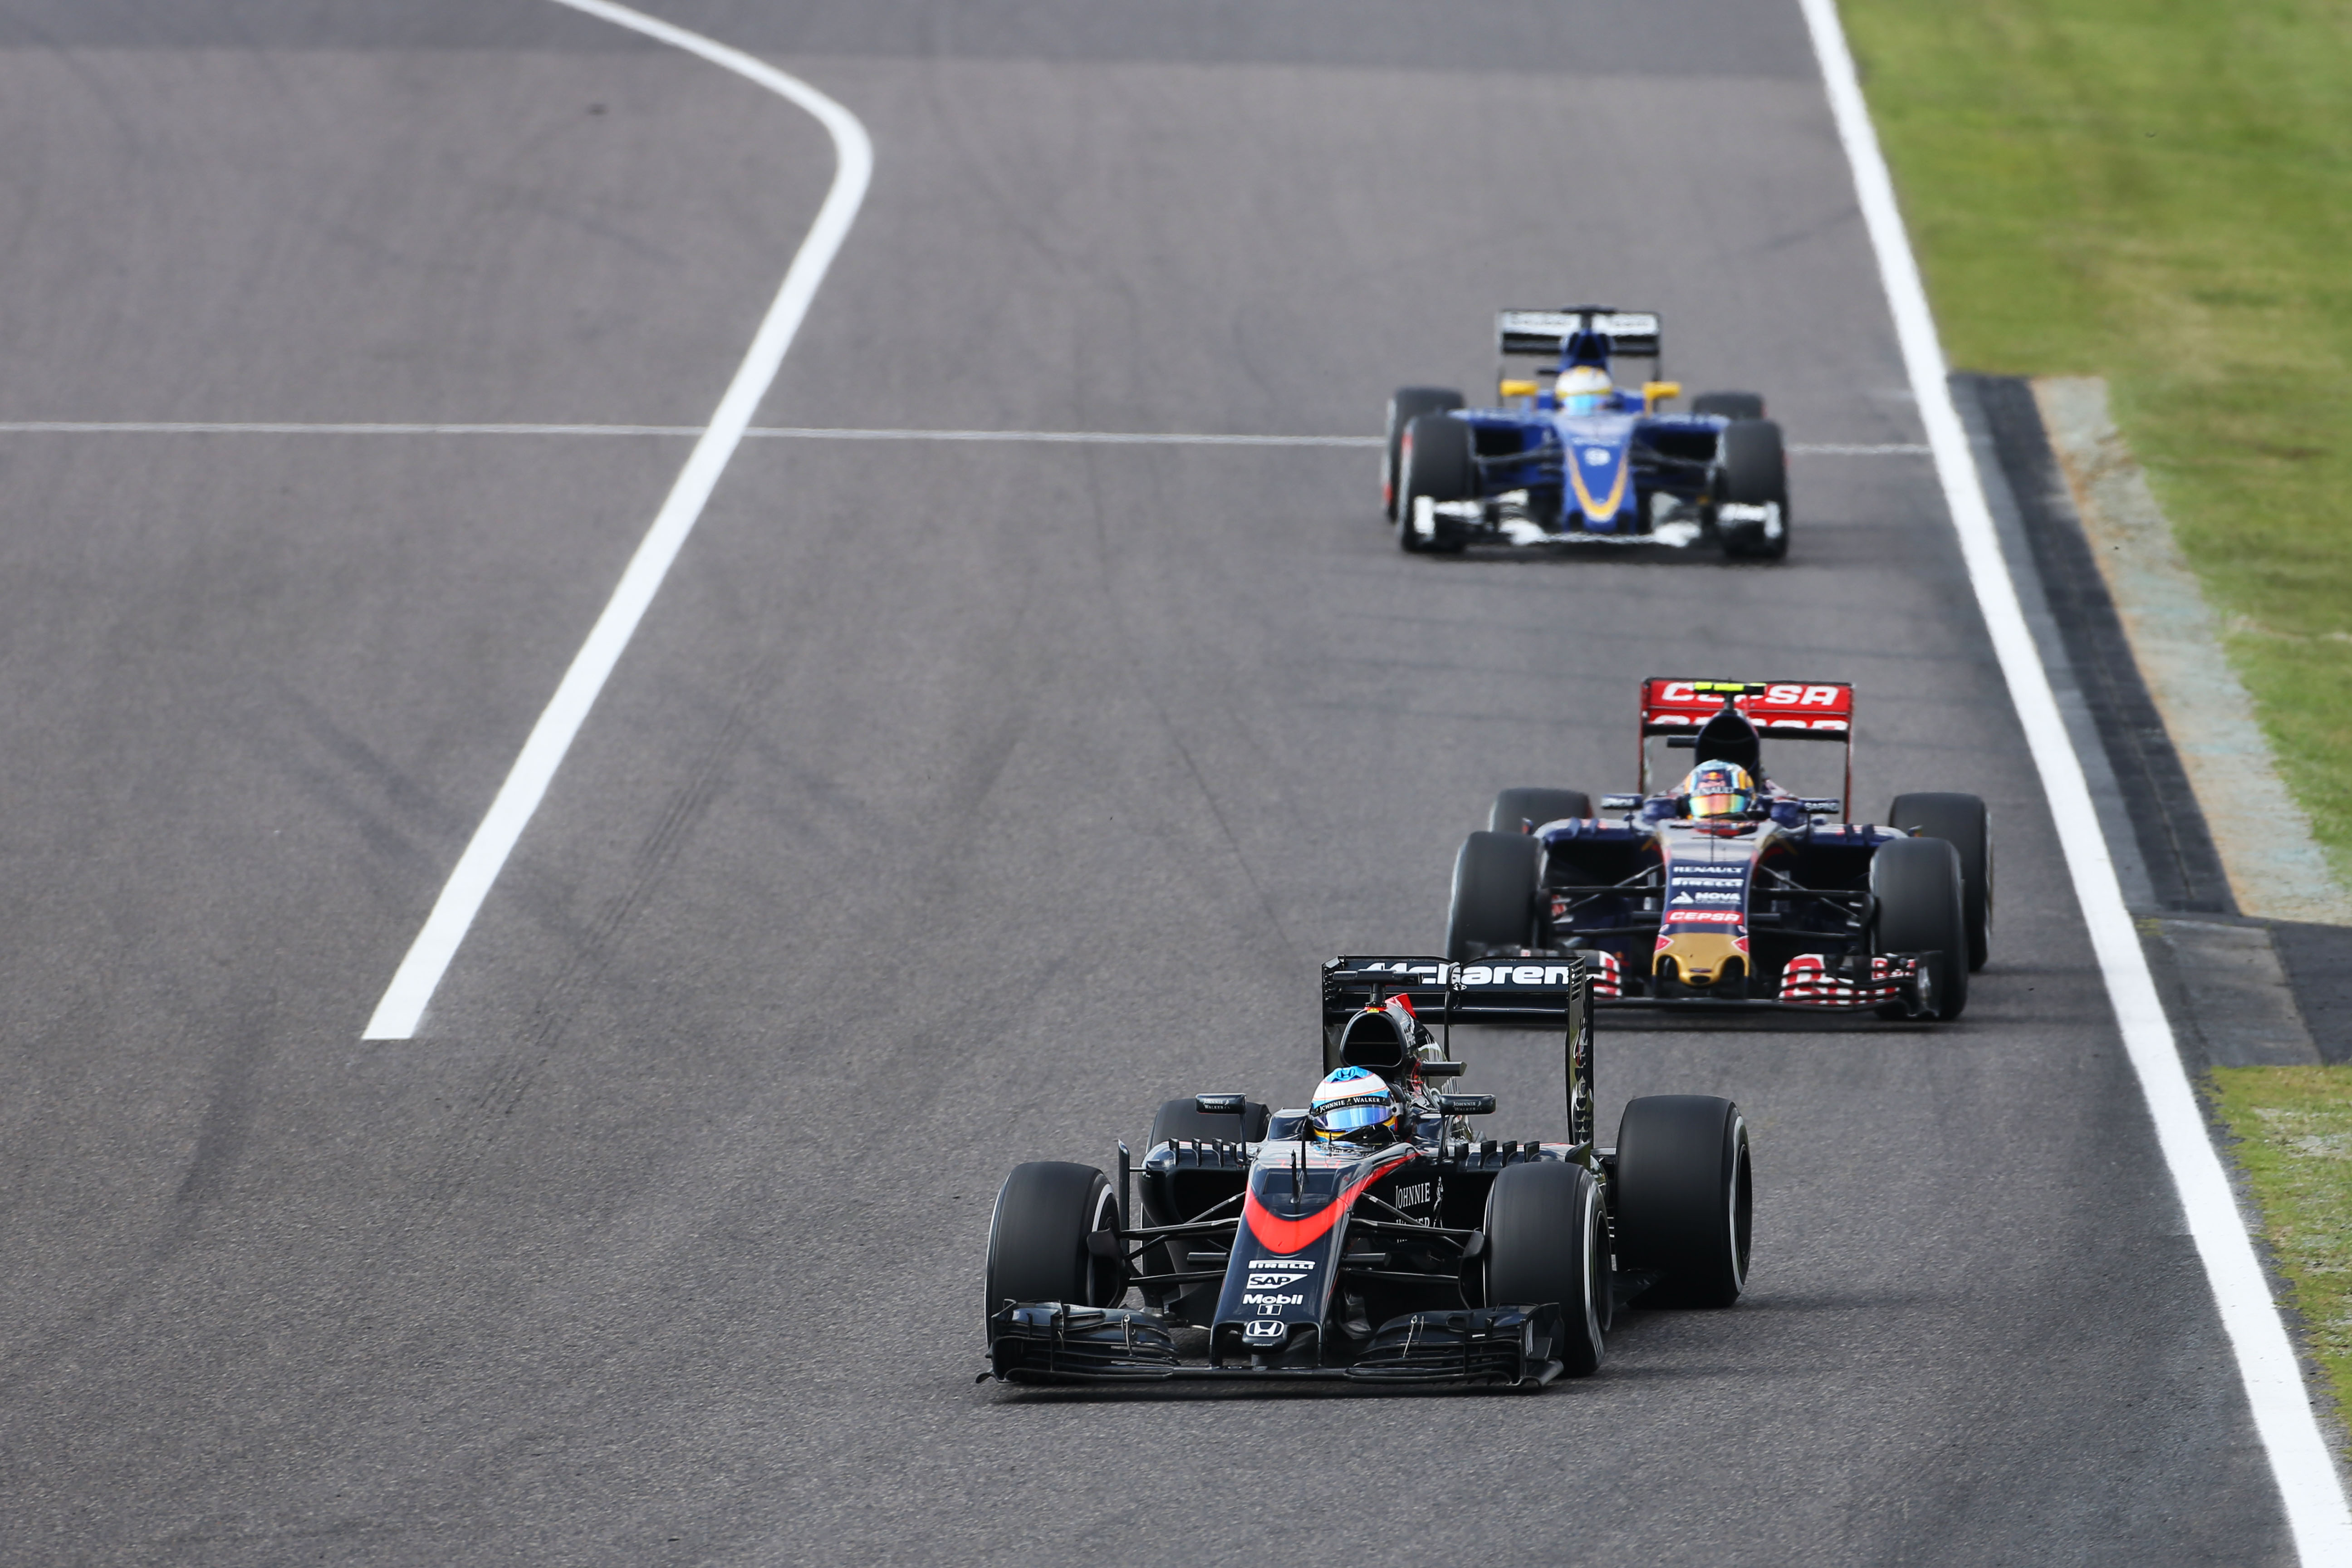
954, 803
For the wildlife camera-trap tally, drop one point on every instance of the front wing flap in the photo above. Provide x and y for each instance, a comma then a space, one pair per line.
1053, 1342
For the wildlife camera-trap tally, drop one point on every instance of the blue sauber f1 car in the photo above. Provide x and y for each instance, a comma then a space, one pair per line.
1370, 1237
1570, 459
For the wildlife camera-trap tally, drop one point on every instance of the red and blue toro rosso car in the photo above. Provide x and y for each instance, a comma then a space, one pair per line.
1568, 458
1728, 890
1369, 1236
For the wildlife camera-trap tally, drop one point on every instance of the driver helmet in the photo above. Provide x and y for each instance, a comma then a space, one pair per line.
1584, 389
1720, 789
1354, 1106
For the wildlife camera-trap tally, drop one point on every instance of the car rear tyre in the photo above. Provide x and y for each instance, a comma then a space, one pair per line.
1960, 821
1547, 1242
1730, 405
1754, 473
1525, 810
1685, 1198
1493, 894
1037, 1248
1408, 403
1917, 885
1435, 462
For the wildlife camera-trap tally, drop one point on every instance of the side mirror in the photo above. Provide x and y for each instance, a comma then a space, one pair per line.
1467, 1104
1219, 1104
1827, 805
1682, 743
1511, 386
1656, 391
1620, 803
1443, 1070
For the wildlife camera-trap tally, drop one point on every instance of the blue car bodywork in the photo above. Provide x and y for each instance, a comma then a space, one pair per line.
1618, 469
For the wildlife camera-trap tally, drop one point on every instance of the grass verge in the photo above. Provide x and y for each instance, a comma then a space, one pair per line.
2160, 191
2294, 1127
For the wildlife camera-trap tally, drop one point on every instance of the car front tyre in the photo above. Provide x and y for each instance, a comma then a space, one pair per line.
1548, 1243
1436, 463
1038, 1238
1408, 403
1921, 904
1755, 473
1962, 822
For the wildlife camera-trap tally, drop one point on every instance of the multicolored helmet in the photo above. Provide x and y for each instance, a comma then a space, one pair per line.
1584, 389
1353, 1106
1720, 789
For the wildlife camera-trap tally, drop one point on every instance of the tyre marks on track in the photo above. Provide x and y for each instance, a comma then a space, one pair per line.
588, 965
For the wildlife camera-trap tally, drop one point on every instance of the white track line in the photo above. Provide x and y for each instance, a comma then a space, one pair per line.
202, 428
750, 432
402, 1006
799, 433
1063, 438
2308, 1481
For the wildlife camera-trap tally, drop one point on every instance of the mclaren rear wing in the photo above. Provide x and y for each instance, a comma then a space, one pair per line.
1512, 993
1522, 993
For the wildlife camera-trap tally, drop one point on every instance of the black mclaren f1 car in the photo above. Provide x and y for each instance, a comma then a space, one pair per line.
1268, 1248
1758, 899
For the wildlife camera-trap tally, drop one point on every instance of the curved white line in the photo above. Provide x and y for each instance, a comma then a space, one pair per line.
2300, 1461
397, 1014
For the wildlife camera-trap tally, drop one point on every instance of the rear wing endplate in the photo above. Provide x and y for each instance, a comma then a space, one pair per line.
1525, 334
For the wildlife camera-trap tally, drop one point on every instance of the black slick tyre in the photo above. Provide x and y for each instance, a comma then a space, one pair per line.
1038, 1238
1960, 821
1755, 473
1547, 1243
1917, 884
1730, 405
1435, 462
1525, 810
1494, 903
1407, 404
1685, 1198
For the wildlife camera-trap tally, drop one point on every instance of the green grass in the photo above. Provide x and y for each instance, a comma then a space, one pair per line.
2160, 191
2294, 1131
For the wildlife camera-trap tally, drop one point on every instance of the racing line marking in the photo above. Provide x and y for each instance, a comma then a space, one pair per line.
2306, 1472
802, 432
413, 985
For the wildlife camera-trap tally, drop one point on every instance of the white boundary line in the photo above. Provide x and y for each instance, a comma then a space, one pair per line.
288, 427
799, 433
403, 1006
749, 432
2308, 1480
